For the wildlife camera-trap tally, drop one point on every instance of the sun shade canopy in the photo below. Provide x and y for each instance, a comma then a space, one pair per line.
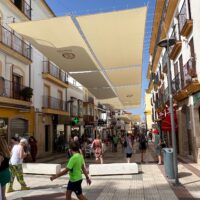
101, 51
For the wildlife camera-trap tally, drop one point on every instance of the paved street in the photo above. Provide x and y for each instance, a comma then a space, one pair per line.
149, 184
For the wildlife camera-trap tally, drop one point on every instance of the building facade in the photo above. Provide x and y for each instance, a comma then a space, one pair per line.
179, 20
148, 110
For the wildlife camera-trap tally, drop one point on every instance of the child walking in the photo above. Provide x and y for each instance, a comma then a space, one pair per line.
75, 167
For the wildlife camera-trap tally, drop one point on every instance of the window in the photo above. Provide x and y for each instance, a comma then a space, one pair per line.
17, 85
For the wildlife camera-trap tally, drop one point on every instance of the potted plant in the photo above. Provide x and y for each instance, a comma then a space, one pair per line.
27, 93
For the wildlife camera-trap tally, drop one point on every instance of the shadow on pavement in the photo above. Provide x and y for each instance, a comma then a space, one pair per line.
184, 174
56, 196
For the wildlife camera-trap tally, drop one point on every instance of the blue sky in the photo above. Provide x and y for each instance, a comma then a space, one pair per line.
83, 7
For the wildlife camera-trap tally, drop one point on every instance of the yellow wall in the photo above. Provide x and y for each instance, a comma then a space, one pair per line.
11, 113
148, 109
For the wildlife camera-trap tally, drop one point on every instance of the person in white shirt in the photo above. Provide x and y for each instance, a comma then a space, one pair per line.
16, 160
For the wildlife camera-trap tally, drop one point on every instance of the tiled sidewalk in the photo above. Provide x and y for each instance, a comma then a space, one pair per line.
150, 184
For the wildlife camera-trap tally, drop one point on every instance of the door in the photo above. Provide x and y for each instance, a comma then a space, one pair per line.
189, 132
47, 137
46, 98
17, 86
60, 102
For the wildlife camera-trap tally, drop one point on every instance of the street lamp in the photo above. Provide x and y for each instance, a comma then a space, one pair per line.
166, 43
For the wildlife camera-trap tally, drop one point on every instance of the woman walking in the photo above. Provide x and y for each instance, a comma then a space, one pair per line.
98, 148
128, 147
142, 146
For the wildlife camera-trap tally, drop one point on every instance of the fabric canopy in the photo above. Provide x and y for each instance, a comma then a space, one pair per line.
101, 51
166, 123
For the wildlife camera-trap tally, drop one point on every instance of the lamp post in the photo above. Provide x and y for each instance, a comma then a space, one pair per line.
166, 43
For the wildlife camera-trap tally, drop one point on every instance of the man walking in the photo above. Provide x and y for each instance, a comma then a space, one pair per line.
75, 167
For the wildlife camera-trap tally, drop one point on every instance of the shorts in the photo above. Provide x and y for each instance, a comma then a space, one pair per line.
75, 187
128, 155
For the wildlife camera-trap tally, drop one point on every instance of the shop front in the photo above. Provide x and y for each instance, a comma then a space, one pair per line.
13, 122
164, 124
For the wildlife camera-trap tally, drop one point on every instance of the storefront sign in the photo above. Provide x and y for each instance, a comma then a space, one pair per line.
196, 98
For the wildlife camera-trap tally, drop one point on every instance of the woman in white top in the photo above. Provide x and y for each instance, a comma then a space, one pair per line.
16, 160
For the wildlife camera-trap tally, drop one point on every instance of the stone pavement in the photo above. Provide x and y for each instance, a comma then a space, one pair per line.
149, 184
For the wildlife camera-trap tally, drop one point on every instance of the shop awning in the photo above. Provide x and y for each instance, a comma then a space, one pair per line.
166, 123
101, 51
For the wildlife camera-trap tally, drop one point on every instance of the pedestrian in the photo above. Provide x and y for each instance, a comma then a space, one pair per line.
98, 148
75, 167
4, 174
17, 156
122, 141
33, 148
142, 146
76, 140
115, 141
157, 145
128, 147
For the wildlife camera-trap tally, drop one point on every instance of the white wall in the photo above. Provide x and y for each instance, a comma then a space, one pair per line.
195, 10
74, 92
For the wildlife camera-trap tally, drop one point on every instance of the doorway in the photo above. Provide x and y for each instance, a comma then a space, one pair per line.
17, 86
47, 137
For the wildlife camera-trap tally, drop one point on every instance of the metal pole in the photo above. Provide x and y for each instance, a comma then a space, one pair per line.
171, 110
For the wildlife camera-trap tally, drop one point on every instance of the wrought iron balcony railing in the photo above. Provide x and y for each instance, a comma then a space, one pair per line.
189, 72
176, 84
174, 35
11, 40
51, 69
164, 61
184, 18
54, 103
23, 6
12, 90
166, 95
183, 15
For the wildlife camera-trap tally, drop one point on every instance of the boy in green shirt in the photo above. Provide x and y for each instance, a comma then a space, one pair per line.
75, 167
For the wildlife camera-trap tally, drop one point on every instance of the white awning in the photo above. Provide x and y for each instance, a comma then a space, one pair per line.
101, 51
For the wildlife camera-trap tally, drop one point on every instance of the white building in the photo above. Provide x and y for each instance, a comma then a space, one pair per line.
181, 21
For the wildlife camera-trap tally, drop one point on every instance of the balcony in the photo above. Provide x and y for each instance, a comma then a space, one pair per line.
164, 62
157, 81
176, 84
88, 119
14, 46
151, 82
11, 93
23, 7
54, 74
52, 105
188, 81
176, 48
184, 18
166, 96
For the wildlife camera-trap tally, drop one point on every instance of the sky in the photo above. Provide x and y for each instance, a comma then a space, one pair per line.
84, 7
